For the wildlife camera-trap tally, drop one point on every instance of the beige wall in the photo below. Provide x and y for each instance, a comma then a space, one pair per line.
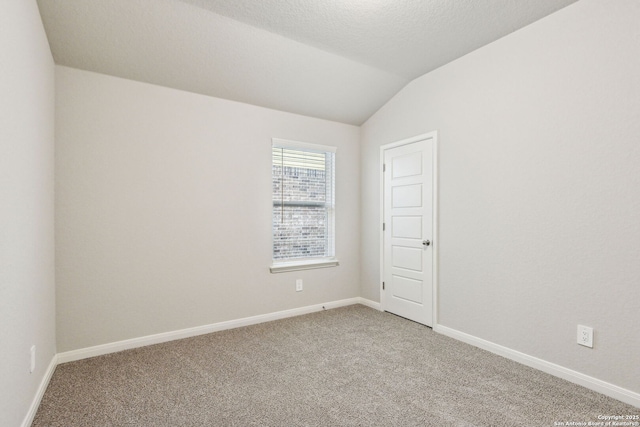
539, 187
163, 210
27, 289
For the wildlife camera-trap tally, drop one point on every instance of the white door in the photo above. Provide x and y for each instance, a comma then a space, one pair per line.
408, 230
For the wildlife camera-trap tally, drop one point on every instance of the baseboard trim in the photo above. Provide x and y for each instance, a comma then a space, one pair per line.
608, 389
369, 303
99, 350
575, 377
28, 419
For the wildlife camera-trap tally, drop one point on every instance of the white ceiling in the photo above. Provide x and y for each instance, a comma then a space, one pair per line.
334, 59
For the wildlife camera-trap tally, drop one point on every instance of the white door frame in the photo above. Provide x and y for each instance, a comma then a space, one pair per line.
436, 243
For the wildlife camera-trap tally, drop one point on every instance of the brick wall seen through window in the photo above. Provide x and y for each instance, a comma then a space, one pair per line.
302, 184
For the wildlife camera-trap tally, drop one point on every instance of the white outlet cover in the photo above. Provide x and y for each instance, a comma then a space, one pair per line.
298, 285
585, 336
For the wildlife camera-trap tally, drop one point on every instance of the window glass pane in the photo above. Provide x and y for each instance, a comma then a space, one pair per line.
299, 232
302, 203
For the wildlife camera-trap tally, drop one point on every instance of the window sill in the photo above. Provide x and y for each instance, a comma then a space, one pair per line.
305, 264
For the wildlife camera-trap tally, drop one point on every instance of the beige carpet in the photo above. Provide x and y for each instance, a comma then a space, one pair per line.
352, 366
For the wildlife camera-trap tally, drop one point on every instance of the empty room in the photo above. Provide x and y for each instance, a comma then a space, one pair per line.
319, 213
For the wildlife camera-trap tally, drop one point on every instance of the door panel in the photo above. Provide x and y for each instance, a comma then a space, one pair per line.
407, 258
408, 217
408, 289
407, 196
407, 165
406, 226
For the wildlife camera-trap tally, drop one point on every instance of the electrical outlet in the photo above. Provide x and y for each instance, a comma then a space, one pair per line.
585, 336
33, 359
298, 285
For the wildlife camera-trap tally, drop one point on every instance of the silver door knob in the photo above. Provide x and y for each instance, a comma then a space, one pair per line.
426, 242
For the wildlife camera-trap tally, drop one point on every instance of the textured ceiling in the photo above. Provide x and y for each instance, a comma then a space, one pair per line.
335, 59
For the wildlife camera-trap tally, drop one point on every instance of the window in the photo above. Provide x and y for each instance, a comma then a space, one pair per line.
303, 183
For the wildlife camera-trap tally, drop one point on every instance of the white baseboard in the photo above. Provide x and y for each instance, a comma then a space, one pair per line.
591, 383
611, 390
28, 419
100, 350
370, 304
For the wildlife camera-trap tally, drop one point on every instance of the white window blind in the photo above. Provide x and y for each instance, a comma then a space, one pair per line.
303, 185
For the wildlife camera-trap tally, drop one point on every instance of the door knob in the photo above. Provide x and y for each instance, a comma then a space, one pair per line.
426, 242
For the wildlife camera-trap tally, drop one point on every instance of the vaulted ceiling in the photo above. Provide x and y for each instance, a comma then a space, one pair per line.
334, 59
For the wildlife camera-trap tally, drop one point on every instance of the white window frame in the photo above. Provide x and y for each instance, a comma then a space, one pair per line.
281, 266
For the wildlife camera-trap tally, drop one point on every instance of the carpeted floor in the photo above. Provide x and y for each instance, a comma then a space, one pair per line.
351, 366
